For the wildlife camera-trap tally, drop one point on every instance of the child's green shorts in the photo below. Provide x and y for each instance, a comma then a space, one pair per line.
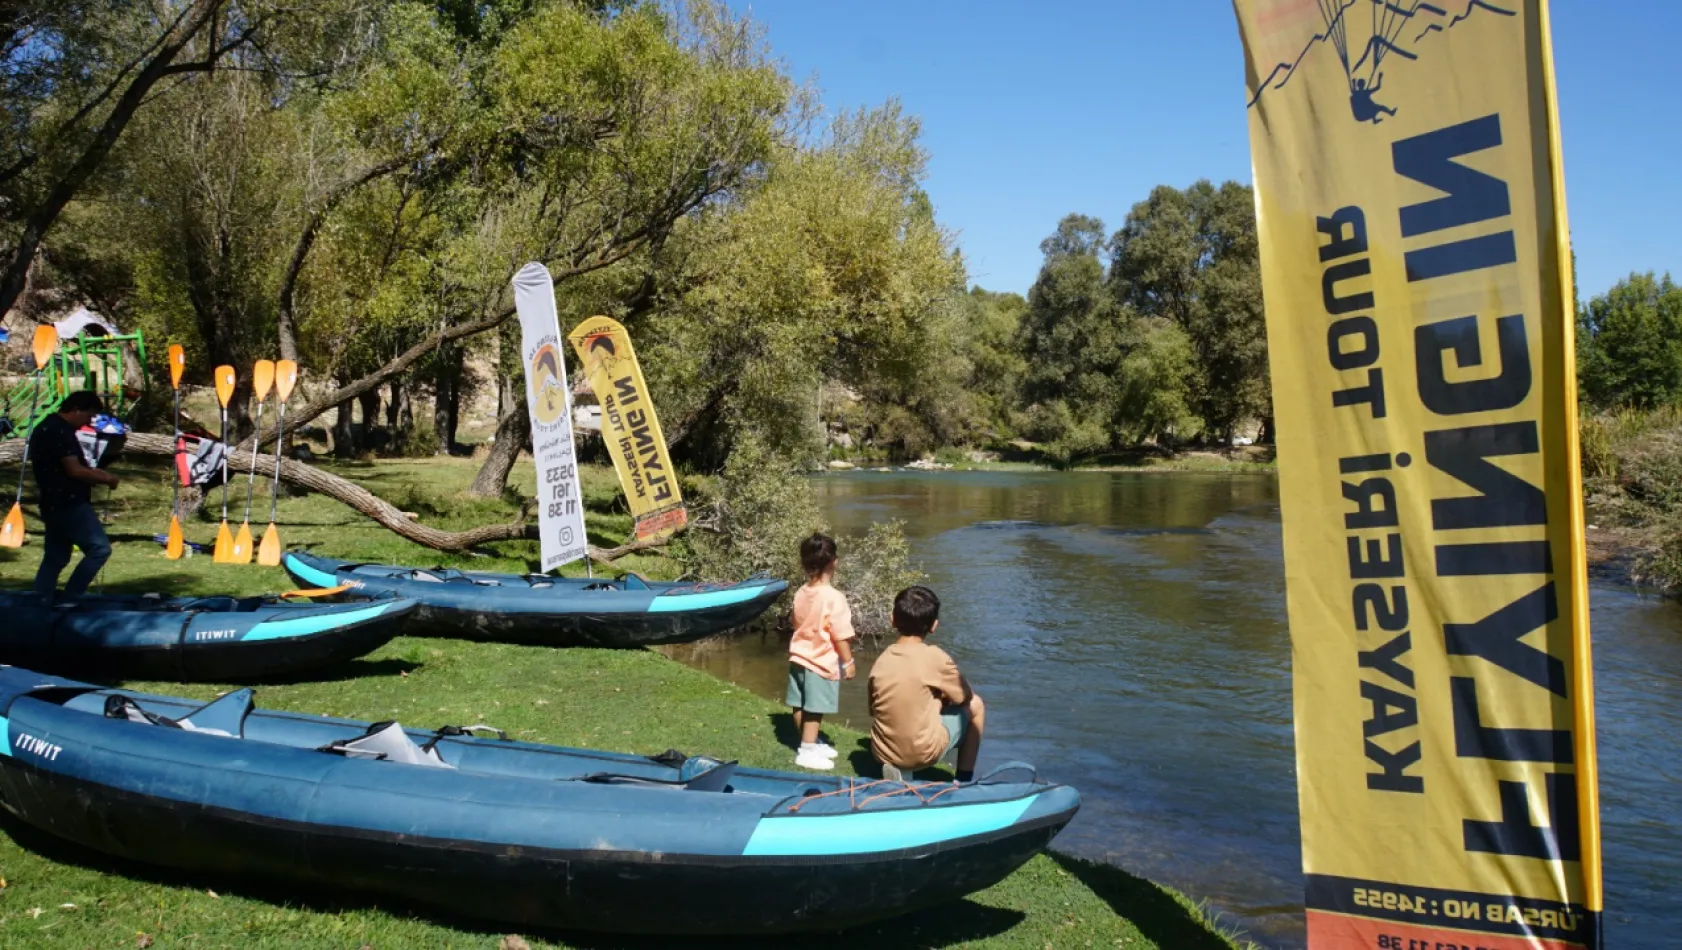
808, 690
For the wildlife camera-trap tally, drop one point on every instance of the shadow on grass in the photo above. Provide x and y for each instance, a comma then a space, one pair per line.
1166, 921
152, 584
339, 673
944, 925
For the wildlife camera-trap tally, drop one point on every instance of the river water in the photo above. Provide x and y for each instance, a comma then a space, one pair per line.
1128, 633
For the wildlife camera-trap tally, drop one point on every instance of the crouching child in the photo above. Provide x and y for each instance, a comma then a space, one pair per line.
921, 707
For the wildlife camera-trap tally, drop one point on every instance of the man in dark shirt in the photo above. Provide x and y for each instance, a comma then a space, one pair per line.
64, 481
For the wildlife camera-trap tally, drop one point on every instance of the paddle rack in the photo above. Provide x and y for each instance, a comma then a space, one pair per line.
99, 363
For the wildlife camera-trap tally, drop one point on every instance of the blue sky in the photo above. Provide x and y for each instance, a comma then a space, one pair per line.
1034, 110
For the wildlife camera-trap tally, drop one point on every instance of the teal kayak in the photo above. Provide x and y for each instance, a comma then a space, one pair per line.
554, 611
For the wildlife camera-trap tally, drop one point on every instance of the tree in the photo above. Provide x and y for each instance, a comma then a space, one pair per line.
1629, 351
74, 75
831, 267
1099, 374
593, 136
1191, 257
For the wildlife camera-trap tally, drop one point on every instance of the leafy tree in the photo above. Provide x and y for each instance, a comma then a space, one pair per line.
1629, 351
75, 74
1191, 257
831, 267
1098, 373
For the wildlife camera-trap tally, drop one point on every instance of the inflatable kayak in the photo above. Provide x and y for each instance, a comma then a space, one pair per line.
553, 611
524, 834
203, 638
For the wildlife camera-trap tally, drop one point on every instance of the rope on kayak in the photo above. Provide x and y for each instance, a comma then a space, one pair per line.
903, 788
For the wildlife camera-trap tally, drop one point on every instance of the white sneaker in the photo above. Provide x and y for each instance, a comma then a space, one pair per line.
810, 759
821, 748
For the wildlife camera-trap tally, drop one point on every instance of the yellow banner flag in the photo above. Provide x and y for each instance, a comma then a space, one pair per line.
630, 428
1411, 209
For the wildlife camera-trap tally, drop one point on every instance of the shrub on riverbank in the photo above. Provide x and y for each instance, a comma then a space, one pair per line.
753, 516
1632, 481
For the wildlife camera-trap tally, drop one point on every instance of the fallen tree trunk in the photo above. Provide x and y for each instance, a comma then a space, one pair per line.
355, 497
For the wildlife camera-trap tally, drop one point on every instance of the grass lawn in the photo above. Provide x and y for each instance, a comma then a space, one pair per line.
60, 895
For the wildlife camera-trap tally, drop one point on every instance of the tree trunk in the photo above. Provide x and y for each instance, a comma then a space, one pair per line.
370, 439
344, 436
441, 388
452, 405
400, 417
353, 496
1267, 436
513, 431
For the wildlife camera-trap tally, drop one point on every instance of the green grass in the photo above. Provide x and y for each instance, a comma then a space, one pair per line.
60, 895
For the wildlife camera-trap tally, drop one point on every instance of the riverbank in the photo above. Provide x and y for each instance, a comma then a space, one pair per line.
59, 895
1025, 457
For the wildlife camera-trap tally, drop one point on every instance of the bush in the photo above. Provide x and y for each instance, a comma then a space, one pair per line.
873, 569
1632, 473
753, 516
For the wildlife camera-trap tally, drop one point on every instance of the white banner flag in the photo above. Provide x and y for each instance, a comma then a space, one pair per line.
560, 506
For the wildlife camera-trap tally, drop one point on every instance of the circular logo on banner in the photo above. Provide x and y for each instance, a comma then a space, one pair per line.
566, 534
544, 374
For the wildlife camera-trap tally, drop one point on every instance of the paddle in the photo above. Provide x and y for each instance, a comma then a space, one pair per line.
225, 379
262, 377
11, 530
175, 546
285, 377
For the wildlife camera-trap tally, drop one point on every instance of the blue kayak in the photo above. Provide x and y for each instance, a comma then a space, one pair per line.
198, 638
530, 835
551, 611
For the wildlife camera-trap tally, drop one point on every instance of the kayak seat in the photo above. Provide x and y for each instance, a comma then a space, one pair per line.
633, 582
224, 716
387, 742
709, 776
449, 577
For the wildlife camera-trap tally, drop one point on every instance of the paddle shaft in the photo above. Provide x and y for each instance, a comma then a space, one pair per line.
175, 477
280, 437
224, 465
23, 466
251, 480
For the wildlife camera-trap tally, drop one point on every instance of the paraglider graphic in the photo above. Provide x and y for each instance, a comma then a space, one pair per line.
1364, 33
551, 393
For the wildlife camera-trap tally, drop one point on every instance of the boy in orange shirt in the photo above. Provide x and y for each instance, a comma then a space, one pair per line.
921, 707
819, 656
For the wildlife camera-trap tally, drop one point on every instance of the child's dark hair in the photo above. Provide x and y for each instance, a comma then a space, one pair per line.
85, 400
817, 553
915, 611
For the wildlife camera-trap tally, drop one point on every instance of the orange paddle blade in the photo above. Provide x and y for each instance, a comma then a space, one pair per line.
285, 377
11, 530
268, 553
323, 592
224, 544
46, 340
225, 379
175, 546
241, 552
262, 377
177, 365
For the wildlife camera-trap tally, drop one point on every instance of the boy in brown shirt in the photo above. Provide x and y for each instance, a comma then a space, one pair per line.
921, 706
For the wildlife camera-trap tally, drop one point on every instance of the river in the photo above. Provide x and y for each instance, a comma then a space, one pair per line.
1128, 633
